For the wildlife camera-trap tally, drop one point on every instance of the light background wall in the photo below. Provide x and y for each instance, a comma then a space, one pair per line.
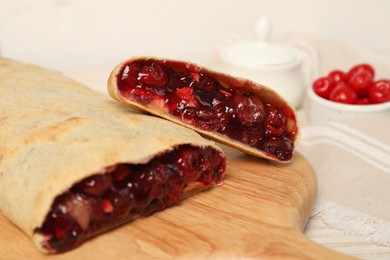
92, 33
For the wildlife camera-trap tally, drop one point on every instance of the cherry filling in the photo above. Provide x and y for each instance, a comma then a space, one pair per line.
206, 101
127, 191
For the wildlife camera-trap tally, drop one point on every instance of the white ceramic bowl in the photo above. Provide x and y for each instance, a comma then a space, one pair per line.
322, 110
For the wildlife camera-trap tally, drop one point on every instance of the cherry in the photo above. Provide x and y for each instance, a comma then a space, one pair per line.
252, 137
152, 74
207, 120
172, 195
65, 230
121, 172
144, 96
141, 186
336, 76
209, 98
121, 199
95, 185
380, 91
359, 68
361, 82
188, 160
248, 110
129, 75
343, 94
279, 146
224, 113
275, 122
322, 87
360, 77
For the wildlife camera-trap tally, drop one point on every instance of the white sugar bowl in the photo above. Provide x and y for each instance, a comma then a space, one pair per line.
287, 68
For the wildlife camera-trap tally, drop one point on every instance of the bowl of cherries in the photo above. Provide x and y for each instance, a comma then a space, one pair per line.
346, 94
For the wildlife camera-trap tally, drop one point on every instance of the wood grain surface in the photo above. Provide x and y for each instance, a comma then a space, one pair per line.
258, 213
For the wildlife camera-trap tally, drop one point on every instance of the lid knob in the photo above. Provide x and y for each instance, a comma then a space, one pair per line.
263, 28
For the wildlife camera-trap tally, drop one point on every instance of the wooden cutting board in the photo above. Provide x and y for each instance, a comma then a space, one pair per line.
258, 213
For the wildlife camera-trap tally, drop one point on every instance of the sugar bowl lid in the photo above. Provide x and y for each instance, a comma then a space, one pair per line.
260, 52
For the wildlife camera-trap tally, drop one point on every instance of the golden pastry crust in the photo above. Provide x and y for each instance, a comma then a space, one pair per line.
55, 131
